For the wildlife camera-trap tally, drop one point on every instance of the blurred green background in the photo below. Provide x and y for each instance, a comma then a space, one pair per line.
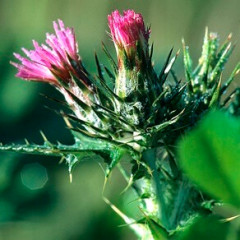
36, 199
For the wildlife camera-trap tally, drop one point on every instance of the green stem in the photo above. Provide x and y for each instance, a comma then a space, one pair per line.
180, 201
150, 157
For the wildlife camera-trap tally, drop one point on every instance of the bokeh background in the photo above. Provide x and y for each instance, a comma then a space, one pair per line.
37, 201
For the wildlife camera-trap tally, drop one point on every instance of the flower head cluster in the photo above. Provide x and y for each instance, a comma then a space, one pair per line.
48, 62
128, 29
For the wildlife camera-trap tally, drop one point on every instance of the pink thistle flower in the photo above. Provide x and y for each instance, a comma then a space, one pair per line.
128, 29
48, 62
57, 62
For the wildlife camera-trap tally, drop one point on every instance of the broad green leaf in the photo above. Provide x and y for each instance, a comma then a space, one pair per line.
207, 228
210, 156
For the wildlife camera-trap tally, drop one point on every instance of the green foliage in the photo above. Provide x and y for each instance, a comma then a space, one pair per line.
210, 156
207, 228
206, 77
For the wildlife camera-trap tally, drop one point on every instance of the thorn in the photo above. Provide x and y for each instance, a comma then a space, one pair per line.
100, 165
229, 46
144, 214
43, 136
229, 37
130, 183
213, 35
26, 141
220, 79
61, 160
183, 42
70, 177
206, 31
120, 213
104, 185
69, 125
231, 218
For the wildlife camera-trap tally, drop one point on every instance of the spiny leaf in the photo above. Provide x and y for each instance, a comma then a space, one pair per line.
155, 107
169, 67
99, 69
216, 93
115, 155
221, 62
63, 103
92, 143
214, 44
110, 82
204, 60
99, 131
175, 78
82, 104
116, 116
165, 124
230, 96
187, 62
165, 65
158, 232
45, 149
223, 48
108, 91
83, 87
151, 54
231, 78
110, 58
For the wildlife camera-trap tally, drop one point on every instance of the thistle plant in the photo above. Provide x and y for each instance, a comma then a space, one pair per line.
131, 111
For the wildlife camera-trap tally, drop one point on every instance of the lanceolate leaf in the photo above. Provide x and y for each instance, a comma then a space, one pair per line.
165, 65
187, 62
231, 78
158, 232
221, 62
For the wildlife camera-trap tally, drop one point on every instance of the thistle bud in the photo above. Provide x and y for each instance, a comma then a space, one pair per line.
131, 42
128, 30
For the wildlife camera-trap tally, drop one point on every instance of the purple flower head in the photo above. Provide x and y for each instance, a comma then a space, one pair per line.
128, 29
48, 62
